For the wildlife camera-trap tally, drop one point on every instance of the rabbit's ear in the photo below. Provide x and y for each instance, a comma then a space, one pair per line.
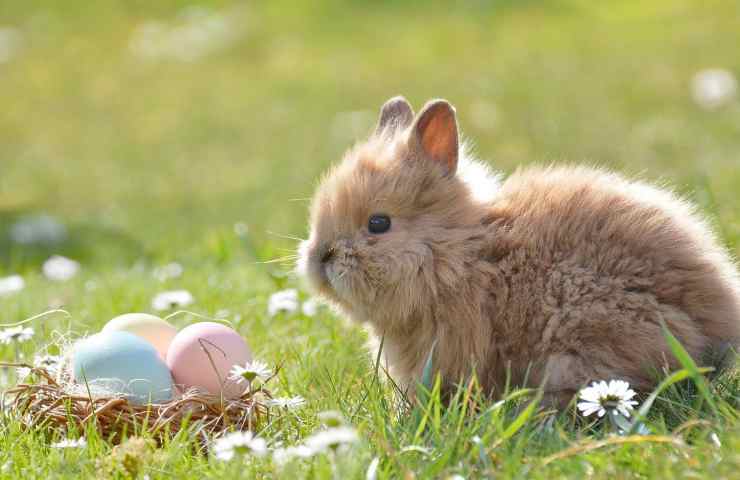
434, 135
396, 113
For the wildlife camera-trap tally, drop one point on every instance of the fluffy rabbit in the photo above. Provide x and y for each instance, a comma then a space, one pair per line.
554, 276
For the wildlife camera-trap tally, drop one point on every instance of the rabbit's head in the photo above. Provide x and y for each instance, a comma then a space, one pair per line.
389, 224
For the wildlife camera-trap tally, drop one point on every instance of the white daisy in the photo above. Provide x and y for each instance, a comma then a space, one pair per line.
241, 229
10, 285
282, 455
70, 443
16, 334
48, 362
166, 272
172, 299
713, 88
310, 307
252, 370
331, 438
194, 34
239, 443
60, 269
601, 397
290, 403
283, 301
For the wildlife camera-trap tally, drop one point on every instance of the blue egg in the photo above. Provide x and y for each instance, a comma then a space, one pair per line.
124, 363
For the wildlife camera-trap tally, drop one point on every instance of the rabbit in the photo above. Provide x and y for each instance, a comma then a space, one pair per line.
555, 276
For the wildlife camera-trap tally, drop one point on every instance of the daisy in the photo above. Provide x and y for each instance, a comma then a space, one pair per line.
241, 443
252, 370
60, 269
290, 403
172, 299
331, 438
283, 455
241, 229
713, 88
310, 307
166, 272
16, 334
48, 362
10, 285
196, 33
283, 301
601, 397
69, 443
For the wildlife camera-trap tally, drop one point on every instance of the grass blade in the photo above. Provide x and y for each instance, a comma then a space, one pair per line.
675, 377
521, 419
688, 363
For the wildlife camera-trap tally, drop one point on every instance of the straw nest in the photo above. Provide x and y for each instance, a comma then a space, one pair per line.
43, 401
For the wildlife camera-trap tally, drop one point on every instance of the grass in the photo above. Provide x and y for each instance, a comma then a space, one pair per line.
148, 162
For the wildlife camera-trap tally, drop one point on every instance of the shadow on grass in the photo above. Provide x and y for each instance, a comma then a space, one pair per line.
28, 238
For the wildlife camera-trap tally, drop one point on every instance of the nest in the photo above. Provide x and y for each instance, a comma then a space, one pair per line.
50, 403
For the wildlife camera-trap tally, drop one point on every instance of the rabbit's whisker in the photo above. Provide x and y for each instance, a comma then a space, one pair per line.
279, 259
287, 237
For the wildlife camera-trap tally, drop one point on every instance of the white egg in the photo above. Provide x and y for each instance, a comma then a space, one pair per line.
153, 329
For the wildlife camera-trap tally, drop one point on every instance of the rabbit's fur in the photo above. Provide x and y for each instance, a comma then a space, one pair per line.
554, 276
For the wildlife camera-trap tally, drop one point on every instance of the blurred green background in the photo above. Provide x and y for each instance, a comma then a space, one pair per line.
135, 133
150, 128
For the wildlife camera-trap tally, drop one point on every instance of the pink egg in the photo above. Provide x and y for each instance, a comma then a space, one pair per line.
189, 352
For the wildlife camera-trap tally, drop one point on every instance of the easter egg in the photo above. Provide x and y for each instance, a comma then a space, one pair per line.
202, 354
153, 329
121, 362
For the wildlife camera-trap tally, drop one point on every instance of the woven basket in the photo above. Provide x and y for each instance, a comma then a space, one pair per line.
53, 404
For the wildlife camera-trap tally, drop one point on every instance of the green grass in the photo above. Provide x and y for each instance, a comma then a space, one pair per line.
151, 162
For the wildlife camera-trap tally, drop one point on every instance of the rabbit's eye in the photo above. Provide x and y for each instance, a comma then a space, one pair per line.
379, 223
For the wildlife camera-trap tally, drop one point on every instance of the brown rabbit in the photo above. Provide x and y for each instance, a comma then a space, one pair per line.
555, 276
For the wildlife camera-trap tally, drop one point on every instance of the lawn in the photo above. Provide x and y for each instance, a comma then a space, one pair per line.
166, 131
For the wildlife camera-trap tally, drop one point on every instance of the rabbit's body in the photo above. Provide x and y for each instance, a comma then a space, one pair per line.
558, 275
569, 279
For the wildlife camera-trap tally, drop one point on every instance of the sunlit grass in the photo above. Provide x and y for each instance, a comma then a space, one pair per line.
210, 162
